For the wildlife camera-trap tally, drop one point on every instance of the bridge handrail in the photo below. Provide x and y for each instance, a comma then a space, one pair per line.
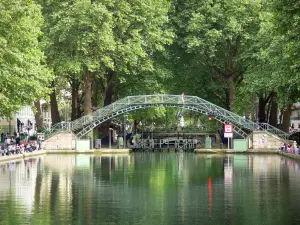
273, 130
248, 124
175, 129
102, 112
57, 127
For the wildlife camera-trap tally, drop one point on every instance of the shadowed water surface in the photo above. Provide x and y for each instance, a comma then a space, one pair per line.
150, 188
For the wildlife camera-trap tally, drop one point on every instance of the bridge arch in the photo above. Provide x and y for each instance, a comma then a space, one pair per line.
91, 126
241, 125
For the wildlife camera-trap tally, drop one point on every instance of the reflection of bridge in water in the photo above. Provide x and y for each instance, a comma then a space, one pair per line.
159, 138
167, 143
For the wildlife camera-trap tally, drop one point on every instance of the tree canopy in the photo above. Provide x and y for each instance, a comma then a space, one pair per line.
242, 55
24, 78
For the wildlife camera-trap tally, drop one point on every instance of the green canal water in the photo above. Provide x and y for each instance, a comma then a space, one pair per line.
151, 188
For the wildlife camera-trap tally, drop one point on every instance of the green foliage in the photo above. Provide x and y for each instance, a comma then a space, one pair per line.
23, 77
78, 36
99, 36
215, 42
151, 46
139, 31
287, 17
276, 62
287, 26
161, 116
156, 81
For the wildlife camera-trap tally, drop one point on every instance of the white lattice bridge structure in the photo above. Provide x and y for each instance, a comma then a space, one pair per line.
87, 123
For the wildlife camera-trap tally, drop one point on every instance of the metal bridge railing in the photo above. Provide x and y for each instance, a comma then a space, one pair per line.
61, 126
273, 130
130, 103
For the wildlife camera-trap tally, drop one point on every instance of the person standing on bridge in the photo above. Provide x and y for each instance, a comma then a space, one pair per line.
182, 97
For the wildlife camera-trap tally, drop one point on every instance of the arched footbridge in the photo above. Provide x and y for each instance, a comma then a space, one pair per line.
241, 126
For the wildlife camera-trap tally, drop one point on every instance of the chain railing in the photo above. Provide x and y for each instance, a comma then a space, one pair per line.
175, 130
86, 123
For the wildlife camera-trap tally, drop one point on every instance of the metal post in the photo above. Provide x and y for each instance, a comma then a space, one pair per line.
152, 140
143, 129
152, 133
65, 111
109, 136
124, 131
228, 142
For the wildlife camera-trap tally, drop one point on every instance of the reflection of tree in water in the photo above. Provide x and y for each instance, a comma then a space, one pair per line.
148, 188
180, 164
54, 192
21, 175
110, 186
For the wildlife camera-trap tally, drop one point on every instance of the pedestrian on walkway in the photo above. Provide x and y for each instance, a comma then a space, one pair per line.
297, 150
39, 141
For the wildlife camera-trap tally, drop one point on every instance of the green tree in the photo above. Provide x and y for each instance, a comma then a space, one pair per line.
100, 43
221, 35
286, 20
286, 15
22, 73
274, 77
78, 40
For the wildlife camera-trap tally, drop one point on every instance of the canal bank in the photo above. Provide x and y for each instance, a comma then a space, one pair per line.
43, 152
289, 155
93, 151
107, 151
21, 156
230, 151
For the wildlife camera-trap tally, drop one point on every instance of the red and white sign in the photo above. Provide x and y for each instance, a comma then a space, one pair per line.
228, 130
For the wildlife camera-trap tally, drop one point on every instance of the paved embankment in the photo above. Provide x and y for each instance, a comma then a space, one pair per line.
94, 151
21, 156
112, 151
127, 151
289, 155
69, 152
230, 151
43, 152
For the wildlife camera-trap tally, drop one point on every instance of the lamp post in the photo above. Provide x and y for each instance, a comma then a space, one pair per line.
182, 125
152, 141
124, 130
152, 129
141, 124
181, 122
109, 136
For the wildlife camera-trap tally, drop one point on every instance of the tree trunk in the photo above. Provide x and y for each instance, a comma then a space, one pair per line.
108, 95
262, 110
268, 110
54, 107
75, 99
87, 81
38, 115
196, 120
95, 97
286, 118
231, 91
80, 103
281, 116
108, 90
273, 114
227, 102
